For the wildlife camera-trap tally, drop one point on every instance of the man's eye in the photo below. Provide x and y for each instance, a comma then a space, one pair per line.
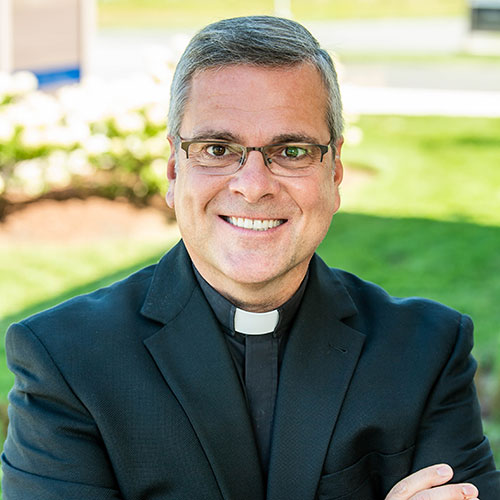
217, 150
293, 152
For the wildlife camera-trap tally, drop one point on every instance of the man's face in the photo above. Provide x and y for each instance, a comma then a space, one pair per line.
254, 107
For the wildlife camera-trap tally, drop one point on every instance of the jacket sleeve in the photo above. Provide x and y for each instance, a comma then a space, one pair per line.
451, 426
53, 449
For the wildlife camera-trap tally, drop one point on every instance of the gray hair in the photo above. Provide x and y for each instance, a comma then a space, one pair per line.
258, 41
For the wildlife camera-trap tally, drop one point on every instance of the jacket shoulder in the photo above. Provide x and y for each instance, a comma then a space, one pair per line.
368, 295
414, 319
115, 304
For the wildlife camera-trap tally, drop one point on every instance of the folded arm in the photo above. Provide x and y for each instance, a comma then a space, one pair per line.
451, 432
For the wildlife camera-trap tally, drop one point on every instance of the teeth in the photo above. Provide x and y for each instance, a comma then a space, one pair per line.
254, 224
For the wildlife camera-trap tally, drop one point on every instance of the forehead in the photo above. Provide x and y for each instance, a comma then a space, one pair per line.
249, 100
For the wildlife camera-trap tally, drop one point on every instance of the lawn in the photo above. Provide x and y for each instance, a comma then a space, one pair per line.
195, 13
421, 218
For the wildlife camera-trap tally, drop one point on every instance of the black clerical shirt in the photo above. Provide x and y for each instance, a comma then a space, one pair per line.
257, 359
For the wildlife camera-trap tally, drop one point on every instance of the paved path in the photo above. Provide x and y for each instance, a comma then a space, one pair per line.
420, 102
434, 36
419, 86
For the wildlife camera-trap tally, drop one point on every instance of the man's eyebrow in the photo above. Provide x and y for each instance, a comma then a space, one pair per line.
220, 135
294, 137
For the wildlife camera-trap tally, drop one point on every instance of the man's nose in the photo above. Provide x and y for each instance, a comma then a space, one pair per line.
254, 180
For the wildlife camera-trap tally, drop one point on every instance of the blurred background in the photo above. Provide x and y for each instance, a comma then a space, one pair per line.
83, 101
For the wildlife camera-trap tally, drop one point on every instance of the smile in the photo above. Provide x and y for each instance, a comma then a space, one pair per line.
254, 224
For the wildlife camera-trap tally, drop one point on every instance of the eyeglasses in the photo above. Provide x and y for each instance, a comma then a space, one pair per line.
288, 159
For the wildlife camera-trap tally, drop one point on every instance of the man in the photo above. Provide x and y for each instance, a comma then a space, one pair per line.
241, 366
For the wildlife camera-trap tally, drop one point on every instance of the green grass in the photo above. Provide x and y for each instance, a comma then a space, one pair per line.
442, 168
33, 274
173, 13
452, 59
195, 13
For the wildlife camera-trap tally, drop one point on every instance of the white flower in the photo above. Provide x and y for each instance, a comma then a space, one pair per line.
56, 170
117, 146
22, 82
18, 114
32, 137
136, 146
351, 118
4, 85
97, 144
30, 174
28, 170
156, 146
156, 115
7, 128
90, 102
84, 103
58, 136
129, 123
353, 135
78, 163
77, 130
36, 109
46, 108
65, 136
159, 167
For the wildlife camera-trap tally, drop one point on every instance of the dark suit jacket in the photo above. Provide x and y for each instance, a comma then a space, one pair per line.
131, 393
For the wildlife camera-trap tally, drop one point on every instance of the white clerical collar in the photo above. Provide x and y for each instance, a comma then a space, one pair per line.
251, 323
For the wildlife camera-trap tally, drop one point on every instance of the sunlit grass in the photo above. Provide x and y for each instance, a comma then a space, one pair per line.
194, 13
444, 168
459, 58
34, 273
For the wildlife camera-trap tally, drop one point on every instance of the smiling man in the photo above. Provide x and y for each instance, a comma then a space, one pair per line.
252, 226
241, 367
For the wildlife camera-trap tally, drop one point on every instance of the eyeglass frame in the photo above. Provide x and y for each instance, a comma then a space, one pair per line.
186, 143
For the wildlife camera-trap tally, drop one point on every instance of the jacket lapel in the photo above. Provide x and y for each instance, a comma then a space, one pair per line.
320, 358
192, 355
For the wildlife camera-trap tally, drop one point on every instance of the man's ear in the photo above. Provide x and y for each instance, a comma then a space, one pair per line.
339, 172
339, 168
171, 173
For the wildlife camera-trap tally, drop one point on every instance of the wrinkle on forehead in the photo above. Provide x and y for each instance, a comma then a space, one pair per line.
234, 99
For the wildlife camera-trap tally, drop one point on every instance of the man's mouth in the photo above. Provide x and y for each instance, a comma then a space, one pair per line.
254, 224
